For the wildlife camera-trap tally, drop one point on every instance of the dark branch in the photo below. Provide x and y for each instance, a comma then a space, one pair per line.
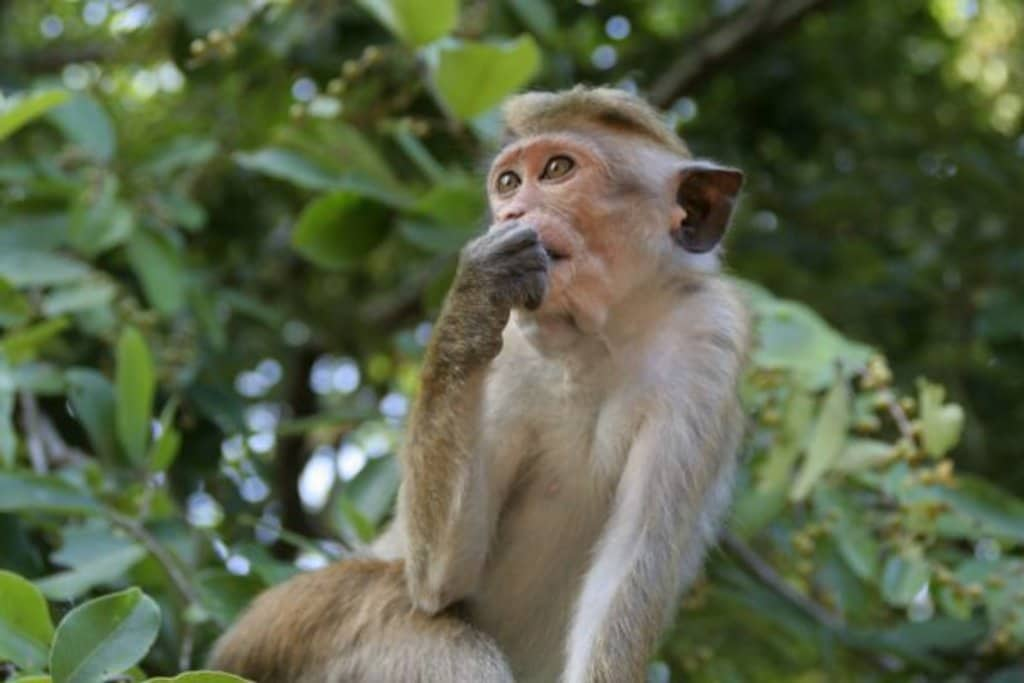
56, 58
723, 39
767, 575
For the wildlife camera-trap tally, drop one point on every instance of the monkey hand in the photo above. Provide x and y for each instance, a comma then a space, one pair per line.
508, 265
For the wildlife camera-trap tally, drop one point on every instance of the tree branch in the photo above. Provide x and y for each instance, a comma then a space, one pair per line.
723, 39
764, 573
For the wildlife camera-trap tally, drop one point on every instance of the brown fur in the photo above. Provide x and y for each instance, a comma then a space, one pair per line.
573, 444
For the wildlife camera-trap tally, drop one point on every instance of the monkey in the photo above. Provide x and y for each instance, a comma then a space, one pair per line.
571, 450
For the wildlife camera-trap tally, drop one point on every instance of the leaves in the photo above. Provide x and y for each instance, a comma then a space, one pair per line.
826, 441
495, 70
85, 123
93, 402
135, 388
104, 637
416, 23
287, 165
940, 424
200, 677
30, 268
339, 229
25, 626
29, 107
101, 570
23, 492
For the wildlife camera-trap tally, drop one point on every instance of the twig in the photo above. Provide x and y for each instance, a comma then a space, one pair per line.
188, 640
31, 423
167, 560
899, 416
770, 578
723, 39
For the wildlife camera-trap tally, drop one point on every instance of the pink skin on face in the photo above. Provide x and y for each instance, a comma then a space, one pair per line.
588, 229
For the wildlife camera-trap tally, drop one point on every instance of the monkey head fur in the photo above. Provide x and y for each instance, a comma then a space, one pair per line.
617, 200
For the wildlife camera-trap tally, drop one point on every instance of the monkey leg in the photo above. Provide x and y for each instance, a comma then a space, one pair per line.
353, 622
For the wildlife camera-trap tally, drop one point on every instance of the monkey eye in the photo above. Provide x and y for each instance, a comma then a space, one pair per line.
507, 182
557, 167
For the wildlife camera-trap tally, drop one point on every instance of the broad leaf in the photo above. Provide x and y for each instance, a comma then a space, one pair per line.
23, 110
14, 308
92, 399
414, 21
22, 492
200, 677
339, 229
31, 268
103, 569
25, 626
471, 77
104, 637
158, 265
826, 442
940, 424
285, 164
136, 386
86, 124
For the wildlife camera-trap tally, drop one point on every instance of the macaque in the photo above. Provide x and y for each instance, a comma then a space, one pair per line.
572, 447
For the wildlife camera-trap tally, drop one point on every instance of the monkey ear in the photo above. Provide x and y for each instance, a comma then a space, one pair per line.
707, 193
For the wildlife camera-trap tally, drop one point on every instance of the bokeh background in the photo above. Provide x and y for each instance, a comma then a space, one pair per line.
225, 227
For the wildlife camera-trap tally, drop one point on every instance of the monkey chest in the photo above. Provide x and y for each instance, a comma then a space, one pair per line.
559, 494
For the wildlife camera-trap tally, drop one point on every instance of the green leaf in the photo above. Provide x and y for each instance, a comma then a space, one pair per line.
852, 533
373, 490
225, 595
92, 399
285, 164
99, 221
8, 437
202, 16
351, 523
31, 268
33, 231
79, 297
165, 448
22, 492
339, 229
14, 308
940, 424
200, 677
538, 15
85, 123
861, 454
903, 577
25, 626
103, 569
793, 337
25, 109
104, 637
135, 388
414, 21
185, 151
158, 265
826, 441
458, 204
25, 344
471, 77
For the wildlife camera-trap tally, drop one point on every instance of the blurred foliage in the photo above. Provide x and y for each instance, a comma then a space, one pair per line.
224, 227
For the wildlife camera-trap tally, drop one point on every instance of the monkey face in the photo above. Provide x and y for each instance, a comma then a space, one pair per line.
594, 224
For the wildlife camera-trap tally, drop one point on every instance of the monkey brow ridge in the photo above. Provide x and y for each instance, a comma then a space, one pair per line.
538, 112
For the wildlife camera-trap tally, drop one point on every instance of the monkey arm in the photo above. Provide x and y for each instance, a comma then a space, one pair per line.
674, 487
443, 506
